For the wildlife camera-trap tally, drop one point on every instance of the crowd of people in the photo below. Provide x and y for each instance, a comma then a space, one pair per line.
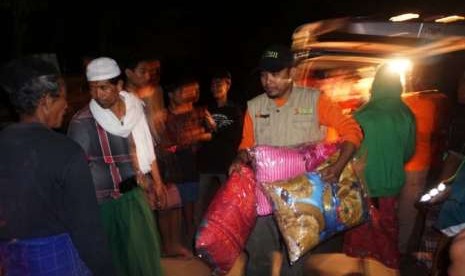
132, 178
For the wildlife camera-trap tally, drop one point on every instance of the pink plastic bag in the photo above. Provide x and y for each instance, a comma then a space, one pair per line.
264, 207
228, 222
274, 163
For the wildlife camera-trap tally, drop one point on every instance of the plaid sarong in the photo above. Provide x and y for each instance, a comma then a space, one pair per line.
429, 238
51, 256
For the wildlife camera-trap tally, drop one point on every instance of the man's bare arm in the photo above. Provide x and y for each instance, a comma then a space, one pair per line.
331, 173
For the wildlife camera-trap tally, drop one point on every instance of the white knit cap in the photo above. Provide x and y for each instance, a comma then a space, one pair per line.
102, 68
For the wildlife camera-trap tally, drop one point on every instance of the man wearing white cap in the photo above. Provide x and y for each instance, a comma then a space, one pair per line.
115, 136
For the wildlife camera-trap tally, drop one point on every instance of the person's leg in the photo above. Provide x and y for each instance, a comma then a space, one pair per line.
189, 195
326, 250
222, 178
414, 186
457, 256
215, 184
428, 238
206, 185
171, 233
276, 263
239, 266
188, 215
262, 244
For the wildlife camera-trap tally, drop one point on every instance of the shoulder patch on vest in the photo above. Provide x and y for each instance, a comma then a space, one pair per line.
303, 111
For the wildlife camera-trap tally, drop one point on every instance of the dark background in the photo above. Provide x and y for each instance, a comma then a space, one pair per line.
189, 35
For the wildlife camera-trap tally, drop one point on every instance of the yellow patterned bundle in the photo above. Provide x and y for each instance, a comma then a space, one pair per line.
309, 210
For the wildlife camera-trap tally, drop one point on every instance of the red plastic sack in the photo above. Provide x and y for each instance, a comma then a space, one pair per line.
226, 226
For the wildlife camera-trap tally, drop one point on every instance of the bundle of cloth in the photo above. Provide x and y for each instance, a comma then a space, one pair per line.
227, 224
308, 210
274, 163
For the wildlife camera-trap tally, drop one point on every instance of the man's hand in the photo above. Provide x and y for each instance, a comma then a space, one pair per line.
331, 173
242, 158
160, 196
210, 121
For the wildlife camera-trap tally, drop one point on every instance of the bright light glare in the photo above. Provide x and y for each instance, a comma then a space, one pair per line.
441, 187
450, 19
400, 66
404, 17
426, 197
433, 192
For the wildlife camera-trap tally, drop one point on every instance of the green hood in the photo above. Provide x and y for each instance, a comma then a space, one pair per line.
389, 131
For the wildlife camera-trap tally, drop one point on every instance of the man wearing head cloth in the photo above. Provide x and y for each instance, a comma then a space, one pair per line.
286, 115
49, 221
116, 138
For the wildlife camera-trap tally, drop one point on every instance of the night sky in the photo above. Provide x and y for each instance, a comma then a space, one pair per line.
231, 34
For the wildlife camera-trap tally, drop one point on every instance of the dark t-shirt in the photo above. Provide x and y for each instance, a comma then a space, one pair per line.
46, 189
180, 132
216, 155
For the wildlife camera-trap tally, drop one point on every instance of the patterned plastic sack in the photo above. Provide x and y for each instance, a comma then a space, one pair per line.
272, 163
309, 210
228, 222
